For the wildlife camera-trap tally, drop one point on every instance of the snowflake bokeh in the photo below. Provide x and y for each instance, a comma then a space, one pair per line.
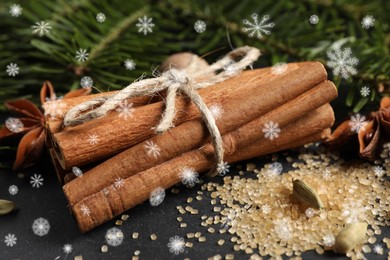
86, 82
100, 17
82, 55
176, 245
14, 125
365, 91
200, 26
368, 21
188, 176
36, 180
341, 62
114, 236
152, 149
129, 64
157, 196
41, 227
223, 168
314, 19
271, 130
13, 189
145, 25
258, 28
41, 28
125, 110
12, 69
357, 122
15, 10
10, 240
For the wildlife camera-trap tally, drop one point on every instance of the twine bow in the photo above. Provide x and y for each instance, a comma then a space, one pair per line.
173, 80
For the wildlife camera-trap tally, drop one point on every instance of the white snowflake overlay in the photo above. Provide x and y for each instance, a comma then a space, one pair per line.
152, 149
256, 28
36, 180
341, 62
368, 21
271, 130
309, 212
100, 17
10, 240
176, 245
77, 172
119, 182
329, 240
223, 168
13, 189
216, 110
85, 210
41, 227
12, 69
200, 26
82, 55
275, 169
15, 10
188, 176
125, 110
157, 196
231, 68
378, 249
86, 82
54, 107
129, 64
365, 91
41, 28
145, 25
266, 209
327, 175
282, 229
314, 19
14, 125
114, 236
279, 68
93, 139
357, 122
379, 172
353, 211
68, 248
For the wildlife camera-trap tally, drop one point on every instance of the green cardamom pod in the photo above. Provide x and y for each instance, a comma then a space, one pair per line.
306, 194
6, 207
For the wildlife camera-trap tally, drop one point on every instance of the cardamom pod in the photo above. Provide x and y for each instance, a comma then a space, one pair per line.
306, 194
352, 235
6, 207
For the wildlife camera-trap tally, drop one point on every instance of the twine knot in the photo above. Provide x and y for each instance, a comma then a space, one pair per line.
173, 80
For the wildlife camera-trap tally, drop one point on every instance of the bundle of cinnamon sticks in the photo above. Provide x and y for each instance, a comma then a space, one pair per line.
123, 160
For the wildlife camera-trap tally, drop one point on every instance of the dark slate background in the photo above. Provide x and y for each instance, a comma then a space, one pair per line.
49, 202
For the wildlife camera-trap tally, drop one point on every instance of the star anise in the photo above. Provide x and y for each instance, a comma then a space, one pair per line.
367, 142
29, 125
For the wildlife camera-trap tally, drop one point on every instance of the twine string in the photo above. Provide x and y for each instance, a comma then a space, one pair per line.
173, 81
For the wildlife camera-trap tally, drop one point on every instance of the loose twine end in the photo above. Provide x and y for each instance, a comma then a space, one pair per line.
173, 81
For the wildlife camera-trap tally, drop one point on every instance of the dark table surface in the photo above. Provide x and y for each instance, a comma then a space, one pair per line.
49, 202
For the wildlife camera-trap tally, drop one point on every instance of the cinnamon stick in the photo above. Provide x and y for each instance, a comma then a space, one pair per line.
112, 201
186, 137
115, 135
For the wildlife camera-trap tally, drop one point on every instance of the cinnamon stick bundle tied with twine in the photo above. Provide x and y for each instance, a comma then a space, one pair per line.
173, 81
294, 101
